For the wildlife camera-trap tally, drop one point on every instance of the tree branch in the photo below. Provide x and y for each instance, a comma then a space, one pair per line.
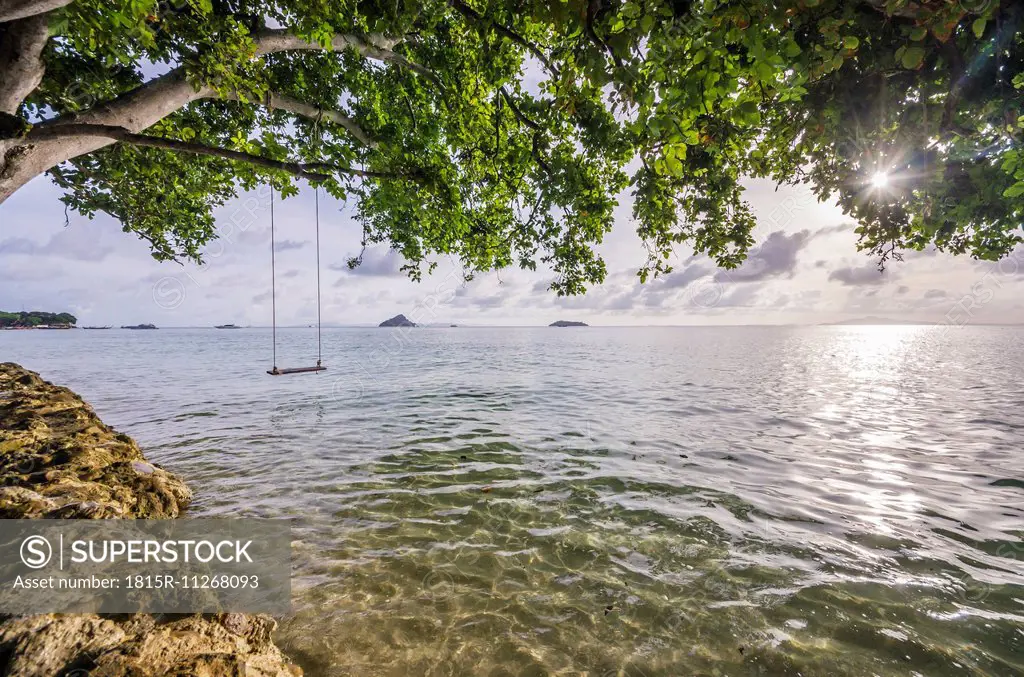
149, 103
152, 101
956, 79
884, 7
518, 113
592, 8
476, 16
372, 46
12, 10
537, 129
302, 109
314, 171
21, 61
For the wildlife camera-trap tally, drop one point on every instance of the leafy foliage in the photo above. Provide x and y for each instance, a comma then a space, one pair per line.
35, 318
523, 124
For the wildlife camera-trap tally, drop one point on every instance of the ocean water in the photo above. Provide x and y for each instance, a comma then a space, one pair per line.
748, 502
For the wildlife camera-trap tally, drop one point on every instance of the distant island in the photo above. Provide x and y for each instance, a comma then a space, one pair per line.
36, 319
227, 326
567, 323
106, 327
138, 326
398, 321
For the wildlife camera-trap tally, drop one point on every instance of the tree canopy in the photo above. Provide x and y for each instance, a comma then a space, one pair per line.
34, 318
505, 132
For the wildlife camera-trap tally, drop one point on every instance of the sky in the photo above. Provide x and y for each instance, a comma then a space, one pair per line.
805, 269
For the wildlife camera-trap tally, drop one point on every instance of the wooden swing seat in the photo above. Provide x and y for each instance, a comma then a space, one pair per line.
294, 370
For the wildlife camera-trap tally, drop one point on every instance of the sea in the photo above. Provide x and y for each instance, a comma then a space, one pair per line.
602, 502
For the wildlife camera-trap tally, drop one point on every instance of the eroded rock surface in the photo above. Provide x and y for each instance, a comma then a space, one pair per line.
236, 645
58, 460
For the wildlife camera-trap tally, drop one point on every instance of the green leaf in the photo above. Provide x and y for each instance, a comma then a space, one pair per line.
913, 57
979, 27
673, 165
1016, 190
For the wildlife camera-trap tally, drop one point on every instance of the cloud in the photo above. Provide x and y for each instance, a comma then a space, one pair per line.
935, 294
857, 277
285, 245
832, 230
495, 301
75, 243
776, 257
928, 252
621, 302
683, 278
377, 262
738, 297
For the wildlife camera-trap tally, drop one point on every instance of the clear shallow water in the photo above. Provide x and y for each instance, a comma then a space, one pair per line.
639, 502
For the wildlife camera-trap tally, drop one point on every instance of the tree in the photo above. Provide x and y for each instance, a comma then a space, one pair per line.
429, 118
35, 318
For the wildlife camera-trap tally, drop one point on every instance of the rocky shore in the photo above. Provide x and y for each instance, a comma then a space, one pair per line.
58, 460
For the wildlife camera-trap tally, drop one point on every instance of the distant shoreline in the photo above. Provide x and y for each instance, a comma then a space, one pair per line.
844, 323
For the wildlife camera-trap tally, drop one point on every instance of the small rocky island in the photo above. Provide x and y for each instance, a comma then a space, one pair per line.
138, 326
568, 323
58, 460
398, 321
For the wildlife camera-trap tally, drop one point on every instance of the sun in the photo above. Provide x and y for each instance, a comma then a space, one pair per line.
880, 180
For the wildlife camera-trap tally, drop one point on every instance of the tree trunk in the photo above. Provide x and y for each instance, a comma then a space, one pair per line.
12, 10
23, 159
135, 111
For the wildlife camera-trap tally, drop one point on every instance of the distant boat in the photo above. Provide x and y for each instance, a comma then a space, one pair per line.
107, 327
138, 326
227, 326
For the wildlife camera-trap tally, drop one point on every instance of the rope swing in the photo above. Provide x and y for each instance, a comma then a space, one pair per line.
273, 295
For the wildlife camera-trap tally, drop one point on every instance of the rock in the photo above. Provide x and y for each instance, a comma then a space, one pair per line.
58, 460
142, 646
398, 321
568, 323
56, 456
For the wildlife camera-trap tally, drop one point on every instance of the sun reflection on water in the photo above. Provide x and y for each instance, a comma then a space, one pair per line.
873, 363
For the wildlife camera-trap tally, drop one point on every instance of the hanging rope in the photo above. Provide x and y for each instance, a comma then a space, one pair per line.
273, 294
319, 346
273, 280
